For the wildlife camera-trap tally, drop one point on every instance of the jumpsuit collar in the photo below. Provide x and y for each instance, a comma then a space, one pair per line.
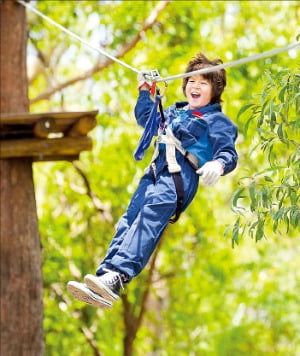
209, 108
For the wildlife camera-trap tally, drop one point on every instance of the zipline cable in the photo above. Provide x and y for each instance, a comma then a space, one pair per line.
252, 58
70, 33
157, 78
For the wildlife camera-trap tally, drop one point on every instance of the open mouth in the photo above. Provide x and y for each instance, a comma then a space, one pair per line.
195, 95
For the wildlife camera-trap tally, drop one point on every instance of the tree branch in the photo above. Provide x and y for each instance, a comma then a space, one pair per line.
132, 322
147, 24
102, 208
89, 335
148, 283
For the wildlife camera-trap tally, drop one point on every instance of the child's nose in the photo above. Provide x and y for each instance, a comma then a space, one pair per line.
197, 84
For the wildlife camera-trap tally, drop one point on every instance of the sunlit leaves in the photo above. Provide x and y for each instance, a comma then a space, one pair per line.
274, 201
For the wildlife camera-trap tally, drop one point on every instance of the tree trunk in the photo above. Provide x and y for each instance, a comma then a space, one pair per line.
21, 278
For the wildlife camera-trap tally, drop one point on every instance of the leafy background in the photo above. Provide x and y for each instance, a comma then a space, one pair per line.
225, 279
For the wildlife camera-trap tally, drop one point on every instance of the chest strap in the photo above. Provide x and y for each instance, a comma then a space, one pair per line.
172, 143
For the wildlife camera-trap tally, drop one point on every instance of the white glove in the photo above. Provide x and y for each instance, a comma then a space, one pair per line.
211, 172
144, 84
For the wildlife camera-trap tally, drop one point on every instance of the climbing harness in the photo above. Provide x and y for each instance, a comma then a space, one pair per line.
166, 136
156, 125
173, 167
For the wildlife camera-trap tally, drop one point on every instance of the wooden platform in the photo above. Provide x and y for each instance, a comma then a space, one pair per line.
46, 136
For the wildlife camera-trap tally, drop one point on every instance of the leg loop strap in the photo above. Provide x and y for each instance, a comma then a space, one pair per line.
180, 196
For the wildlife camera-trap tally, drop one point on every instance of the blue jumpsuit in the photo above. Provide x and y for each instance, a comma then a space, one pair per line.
154, 202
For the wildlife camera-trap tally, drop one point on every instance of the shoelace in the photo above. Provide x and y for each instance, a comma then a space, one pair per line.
115, 277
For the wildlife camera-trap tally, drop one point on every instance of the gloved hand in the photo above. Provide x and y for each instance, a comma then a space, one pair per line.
211, 172
144, 84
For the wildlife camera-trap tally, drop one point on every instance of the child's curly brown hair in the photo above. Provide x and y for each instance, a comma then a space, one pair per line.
216, 78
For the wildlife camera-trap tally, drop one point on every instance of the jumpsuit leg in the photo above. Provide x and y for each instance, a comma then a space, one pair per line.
148, 214
133, 249
126, 220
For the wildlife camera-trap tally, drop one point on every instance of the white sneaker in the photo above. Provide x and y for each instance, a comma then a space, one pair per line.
81, 292
108, 285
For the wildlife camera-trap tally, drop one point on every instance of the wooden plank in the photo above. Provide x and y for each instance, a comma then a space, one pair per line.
82, 126
24, 125
69, 158
65, 146
27, 118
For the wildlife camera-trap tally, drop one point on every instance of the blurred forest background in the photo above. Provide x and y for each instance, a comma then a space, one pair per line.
226, 278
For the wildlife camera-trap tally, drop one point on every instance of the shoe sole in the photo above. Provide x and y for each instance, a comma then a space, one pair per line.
97, 286
80, 292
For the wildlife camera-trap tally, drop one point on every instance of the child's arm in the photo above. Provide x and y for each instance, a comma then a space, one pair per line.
143, 107
222, 134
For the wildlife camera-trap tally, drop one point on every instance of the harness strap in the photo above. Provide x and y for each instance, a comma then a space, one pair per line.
171, 141
166, 136
177, 143
173, 167
180, 196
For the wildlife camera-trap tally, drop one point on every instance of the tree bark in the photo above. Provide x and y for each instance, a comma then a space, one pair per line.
21, 277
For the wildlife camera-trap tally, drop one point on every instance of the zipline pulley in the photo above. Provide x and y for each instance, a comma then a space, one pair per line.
154, 77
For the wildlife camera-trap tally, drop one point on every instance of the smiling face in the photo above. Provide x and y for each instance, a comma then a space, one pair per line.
198, 91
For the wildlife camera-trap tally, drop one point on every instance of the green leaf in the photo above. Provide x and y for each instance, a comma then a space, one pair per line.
281, 93
236, 196
243, 109
235, 233
260, 230
252, 192
280, 131
246, 126
279, 214
268, 179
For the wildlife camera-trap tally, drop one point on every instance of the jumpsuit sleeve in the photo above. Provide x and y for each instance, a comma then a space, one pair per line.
143, 107
223, 134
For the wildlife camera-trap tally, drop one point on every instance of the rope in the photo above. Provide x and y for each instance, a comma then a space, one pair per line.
70, 33
252, 58
255, 57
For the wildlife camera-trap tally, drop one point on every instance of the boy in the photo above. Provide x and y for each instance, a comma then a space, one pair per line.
196, 140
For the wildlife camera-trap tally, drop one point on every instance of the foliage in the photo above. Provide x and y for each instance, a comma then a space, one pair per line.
270, 197
197, 296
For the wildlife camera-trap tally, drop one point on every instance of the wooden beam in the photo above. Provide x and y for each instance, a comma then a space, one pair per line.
43, 127
69, 158
23, 118
66, 146
27, 125
82, 127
